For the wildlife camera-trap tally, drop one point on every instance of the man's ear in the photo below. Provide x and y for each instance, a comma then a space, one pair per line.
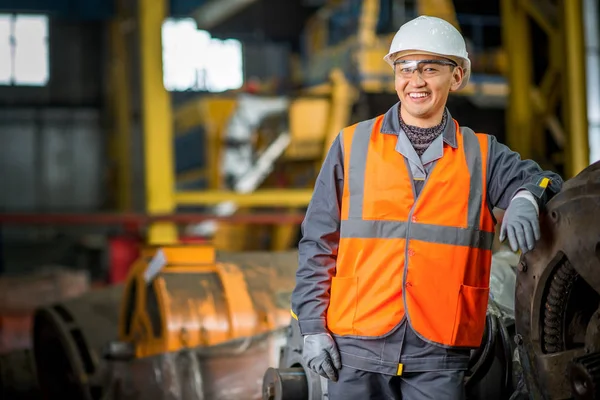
457, 77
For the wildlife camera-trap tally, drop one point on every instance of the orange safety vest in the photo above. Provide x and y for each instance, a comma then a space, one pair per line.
430, 258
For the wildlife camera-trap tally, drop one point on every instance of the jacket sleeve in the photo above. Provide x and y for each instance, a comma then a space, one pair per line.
507, 174
318, 247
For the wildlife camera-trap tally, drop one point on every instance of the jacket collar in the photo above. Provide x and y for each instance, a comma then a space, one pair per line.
391, 125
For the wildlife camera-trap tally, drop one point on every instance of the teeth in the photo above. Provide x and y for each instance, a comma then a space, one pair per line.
418, 95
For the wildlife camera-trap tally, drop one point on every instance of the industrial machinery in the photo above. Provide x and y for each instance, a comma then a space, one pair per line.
355, 35
555, 353
558, 296
68, 338
189, 323
192, 323
256, 144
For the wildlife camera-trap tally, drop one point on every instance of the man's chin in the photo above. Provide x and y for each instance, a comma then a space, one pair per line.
418, 112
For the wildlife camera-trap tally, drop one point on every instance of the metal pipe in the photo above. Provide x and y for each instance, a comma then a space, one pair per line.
285, 384
157, 121
592, 46
132, 219
578, 155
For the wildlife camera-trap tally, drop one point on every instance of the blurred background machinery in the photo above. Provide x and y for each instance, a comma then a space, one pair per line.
189, 323
156, 158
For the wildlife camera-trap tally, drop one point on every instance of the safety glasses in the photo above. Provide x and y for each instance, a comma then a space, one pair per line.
426, 68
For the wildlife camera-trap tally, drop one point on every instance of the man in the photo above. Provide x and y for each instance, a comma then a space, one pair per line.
394, 262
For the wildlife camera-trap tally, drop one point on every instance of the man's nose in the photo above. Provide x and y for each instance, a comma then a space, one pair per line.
416, 79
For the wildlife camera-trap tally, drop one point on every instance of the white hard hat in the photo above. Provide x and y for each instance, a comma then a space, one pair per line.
430, 35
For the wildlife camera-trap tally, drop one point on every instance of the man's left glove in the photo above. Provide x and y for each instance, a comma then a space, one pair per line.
320, 354
521, 223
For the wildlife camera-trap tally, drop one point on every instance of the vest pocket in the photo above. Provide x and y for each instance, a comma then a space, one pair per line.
469, 321
342, 305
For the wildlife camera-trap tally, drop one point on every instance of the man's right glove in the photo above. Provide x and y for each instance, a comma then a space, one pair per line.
320, 354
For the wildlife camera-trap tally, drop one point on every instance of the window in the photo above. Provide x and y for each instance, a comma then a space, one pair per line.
24, 50
194, 61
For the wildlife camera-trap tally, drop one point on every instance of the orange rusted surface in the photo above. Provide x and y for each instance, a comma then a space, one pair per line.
196, 297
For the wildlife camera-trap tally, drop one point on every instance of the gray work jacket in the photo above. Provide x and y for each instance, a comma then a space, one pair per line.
506, 174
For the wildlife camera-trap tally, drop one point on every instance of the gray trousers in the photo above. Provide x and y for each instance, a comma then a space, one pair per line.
434, 385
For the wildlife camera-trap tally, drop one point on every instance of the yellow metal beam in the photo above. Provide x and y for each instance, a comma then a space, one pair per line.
576, 101
517, 42
192, 175
157, 121
259, 198
343, 96
120, 101
439, 8
284, 236
367, 25
543, 12
532, 108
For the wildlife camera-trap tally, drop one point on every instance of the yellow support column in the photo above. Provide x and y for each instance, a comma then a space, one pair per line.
517, 43
575, 85
121, 111
343, 96
157, 122
368, 22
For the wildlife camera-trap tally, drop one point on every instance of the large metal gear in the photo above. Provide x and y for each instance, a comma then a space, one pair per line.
557, 301
585, 377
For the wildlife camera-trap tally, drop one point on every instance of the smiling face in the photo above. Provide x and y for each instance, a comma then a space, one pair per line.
423, 88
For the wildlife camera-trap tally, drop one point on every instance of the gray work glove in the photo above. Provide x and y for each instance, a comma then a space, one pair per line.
320, 354
521, 225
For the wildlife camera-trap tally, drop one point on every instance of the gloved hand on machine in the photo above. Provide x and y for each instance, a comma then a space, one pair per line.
521, 223
321, 355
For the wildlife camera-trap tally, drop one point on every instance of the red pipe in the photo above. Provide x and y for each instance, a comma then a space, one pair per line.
142, 219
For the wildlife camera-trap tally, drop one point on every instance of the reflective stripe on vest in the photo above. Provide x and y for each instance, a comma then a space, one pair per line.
431, 256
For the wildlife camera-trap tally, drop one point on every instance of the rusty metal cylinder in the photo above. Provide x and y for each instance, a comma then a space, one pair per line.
285, 384
68, 338
202, 325
188, 296
199, 326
